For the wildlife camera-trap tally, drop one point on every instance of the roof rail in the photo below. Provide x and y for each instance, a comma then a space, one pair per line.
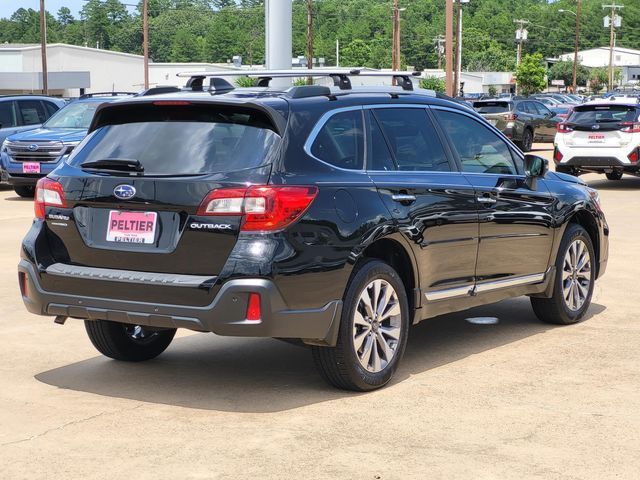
340, 76
105, 94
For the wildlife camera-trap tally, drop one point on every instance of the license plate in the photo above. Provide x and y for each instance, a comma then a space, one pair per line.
131, 227
31, 167
596, 138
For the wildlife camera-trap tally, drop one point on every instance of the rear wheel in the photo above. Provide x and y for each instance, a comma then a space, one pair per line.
25, 192
574, 280
527, 140
129, 343
373, 331
615, 175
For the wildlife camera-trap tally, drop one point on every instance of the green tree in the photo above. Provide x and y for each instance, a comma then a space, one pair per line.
356, 54
530, 74
64, 16
564, 71
493, 91
433, 83
598, 78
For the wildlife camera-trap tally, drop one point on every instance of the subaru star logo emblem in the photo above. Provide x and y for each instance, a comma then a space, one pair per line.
595, 127
33, 147
124, 192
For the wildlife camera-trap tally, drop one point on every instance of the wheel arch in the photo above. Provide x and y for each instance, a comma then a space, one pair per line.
587, 220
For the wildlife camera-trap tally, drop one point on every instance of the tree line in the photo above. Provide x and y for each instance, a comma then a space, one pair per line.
216, 30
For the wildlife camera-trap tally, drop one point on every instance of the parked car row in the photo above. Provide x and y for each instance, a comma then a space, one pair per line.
335, 217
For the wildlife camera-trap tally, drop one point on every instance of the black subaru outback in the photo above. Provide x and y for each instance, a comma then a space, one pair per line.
337, 217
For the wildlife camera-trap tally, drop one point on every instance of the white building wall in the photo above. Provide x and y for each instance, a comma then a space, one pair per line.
10, 61
599, 57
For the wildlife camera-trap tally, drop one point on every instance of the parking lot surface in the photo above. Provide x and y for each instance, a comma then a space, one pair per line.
515, 399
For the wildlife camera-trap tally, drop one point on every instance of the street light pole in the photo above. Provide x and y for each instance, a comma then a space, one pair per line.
43, 48
577, 42
145, 41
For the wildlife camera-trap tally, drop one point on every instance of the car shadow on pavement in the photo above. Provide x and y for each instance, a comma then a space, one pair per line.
264, 375
625, 183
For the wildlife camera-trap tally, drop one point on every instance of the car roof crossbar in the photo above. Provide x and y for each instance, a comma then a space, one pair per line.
340, 77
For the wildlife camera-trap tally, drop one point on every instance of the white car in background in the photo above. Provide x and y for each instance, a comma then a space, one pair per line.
599, 137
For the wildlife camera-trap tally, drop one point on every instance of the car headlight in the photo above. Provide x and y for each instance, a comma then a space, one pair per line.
3, 148
595, 196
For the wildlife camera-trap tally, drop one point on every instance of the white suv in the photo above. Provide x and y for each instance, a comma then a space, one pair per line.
601, 138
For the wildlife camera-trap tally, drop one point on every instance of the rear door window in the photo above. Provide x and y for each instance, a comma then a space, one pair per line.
479, 149
414, 143
492, 107
32, 112
51, 108
180, 140
7, 115
340, 141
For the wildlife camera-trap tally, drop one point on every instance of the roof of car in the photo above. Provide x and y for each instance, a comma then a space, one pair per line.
29, 97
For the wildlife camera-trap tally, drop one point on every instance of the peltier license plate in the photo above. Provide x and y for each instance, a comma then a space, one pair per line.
132, 227
31, 167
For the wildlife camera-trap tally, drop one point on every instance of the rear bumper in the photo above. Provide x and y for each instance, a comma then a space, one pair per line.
597, 159
226, 315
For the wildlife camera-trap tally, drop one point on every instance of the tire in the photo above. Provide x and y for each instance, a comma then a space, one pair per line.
615, 175
560, 309
128, 343
25, 192
347, 367
527, 140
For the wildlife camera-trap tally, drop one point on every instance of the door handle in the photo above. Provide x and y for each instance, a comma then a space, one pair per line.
487, 199
403, 197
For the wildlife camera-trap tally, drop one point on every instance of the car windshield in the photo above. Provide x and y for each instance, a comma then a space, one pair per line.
75, 115
603, 114
492, 107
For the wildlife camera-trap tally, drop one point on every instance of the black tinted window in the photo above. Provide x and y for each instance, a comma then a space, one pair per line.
480, 150
180, 147
603, 114
413, 141
32, 112
340, 141
7, 115
51, 108
492, 107
380, 158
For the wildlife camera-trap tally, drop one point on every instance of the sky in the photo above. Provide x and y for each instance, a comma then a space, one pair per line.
7, 7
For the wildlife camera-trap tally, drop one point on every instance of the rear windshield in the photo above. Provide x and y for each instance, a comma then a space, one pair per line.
492, 107
603, 114
184, 144
74, 115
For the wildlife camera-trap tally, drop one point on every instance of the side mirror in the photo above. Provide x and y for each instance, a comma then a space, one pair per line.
535, 166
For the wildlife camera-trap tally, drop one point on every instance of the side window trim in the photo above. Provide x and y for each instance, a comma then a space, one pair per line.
492, 129
373, 118
12, 105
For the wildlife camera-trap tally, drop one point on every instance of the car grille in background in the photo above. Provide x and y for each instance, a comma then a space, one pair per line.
37, 151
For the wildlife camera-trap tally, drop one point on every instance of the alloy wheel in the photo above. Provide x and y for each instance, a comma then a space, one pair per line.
576, 275
377, 325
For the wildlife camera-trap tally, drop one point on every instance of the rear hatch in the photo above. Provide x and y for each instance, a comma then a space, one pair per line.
497, 112
600, 126
135, 187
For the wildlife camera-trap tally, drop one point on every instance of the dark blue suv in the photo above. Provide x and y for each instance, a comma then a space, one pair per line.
29, 155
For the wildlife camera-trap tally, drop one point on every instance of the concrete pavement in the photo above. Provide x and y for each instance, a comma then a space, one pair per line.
514, 400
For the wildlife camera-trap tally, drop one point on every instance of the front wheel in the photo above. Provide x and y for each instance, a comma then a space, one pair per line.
574, 280
129, 343
527, 140
373, 331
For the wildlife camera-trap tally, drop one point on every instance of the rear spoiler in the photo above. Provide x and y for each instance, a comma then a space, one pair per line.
113, 113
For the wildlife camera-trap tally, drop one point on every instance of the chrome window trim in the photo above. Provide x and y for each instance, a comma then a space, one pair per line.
436, 295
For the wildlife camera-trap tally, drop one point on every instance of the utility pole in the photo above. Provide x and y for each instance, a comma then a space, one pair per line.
521, 37
337, 52
43, 48
309, 39
577, 47
439, 41
449, 47
458, 71
145, 40
395, 52
614, 21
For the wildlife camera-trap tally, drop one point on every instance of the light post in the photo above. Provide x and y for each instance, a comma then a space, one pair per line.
577, 43
458, 71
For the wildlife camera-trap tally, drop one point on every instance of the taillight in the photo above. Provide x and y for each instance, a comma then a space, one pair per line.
633, 156
630, 127
49, 193
263, 208
254, 312
563, 128
22, 278
557, 155
510, 117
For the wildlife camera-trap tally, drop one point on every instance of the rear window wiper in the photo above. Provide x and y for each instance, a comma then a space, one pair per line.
114, 164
